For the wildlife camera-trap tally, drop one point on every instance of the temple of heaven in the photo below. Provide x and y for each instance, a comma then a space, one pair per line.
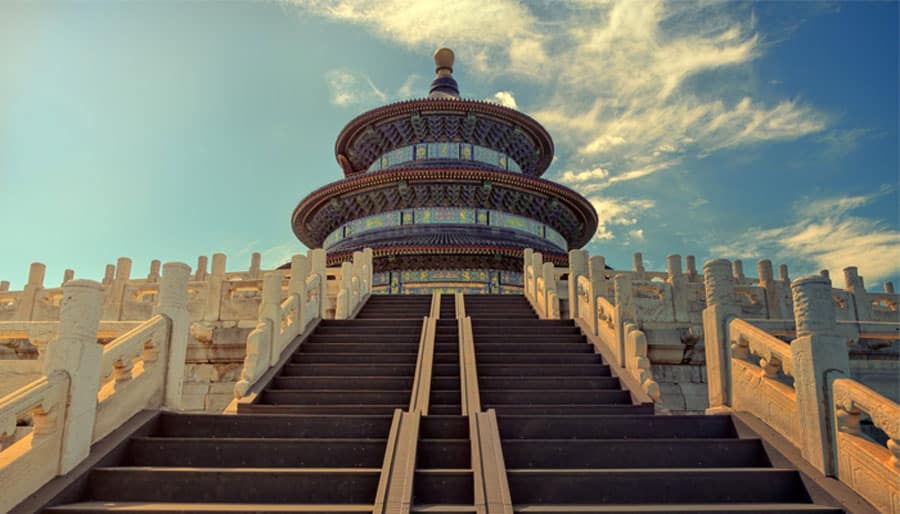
447, 193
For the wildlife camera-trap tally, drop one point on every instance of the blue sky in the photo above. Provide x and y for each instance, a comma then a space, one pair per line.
721, 129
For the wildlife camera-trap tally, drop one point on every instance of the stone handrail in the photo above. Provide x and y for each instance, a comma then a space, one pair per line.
747, 339
421, 389
355, 283
636, 361
88, 390
870, 468
31, 458
469, 390
280, 321
132, 375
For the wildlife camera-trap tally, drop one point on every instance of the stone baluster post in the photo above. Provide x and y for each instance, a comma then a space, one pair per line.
783, 286
767, 282
626, 312
737, 269
172, 303
691, 264
369, 258
214, 284
638, 262
527, 259
721, 307
68, 275
270, 311
153, 276
825, 273
551, 300
596, 273
678, 282
255, 260
76, 353
35, 283
318, 262
578, 267
889, 287
819, 355
342, 307
112, 304
109, 274
4, 285
537, 268
856, 287
356, 292
297, 287
200, 274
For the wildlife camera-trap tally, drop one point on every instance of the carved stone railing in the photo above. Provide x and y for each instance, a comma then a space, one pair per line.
543, 285
132, 369
761, 379
87, 390
802, 389
355, 284
869, 467
29, 456
279, 322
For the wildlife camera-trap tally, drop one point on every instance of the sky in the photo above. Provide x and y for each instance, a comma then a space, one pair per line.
169, 130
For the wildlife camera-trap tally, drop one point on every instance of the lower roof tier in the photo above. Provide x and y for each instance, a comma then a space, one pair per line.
325, 210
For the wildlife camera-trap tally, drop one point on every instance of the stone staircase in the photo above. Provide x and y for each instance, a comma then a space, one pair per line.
318, 436
574, 442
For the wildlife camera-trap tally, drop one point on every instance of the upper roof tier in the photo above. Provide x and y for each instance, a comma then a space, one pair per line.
444, 117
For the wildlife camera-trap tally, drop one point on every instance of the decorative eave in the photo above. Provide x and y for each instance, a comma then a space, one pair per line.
319, 198
401, 251
357, 127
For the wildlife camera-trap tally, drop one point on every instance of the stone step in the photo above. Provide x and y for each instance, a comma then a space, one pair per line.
208, 508
334, 410
445, 383
332, 397
354, 358
444, 397
569, 409
349, 369
618, 427
269, 485
692, 508
362, 338
536, 358
549, 383
525, 337
347, 346
593, 369
555, 397
356, 331
523, 345
656, 486
443, 486
538, 329
445, 409
443, 453
484, 323
357, 383
359, 324
255, 452
436, 426
634, 453
314, 426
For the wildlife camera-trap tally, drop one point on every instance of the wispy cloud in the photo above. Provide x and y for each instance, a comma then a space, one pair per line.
352, 88
825, 234
616, 72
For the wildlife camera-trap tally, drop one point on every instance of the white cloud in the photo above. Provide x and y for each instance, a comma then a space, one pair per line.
825, 235
504, 98
615, 213
574, 177
637, 234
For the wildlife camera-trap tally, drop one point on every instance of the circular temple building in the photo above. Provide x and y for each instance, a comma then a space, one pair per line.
447, 193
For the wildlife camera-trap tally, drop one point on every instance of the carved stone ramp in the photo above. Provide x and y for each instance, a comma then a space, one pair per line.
574, 440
